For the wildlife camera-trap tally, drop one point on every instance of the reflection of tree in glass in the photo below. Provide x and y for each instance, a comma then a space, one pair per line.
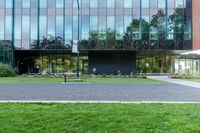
158, 26
177, 18
178, 21
140, 33
133, 36
95, 41
110, 39
6, 51
50, 42
7, 44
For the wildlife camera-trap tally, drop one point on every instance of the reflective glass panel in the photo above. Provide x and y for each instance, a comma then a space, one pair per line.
119, 3
85, 26
26, 4
43, 22
59, 3
8, 27
59, 26
43, 3
145, 3
9, 3
93, 3
111, 22
179, 3
127, 3
93, 23
2, 29
111, 3
161, 3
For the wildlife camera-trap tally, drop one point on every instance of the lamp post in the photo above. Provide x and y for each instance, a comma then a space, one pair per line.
77, 62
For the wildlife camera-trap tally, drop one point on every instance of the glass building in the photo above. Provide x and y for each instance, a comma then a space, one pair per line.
6, 52
112, 35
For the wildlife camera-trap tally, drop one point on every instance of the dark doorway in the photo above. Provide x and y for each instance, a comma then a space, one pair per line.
112, 62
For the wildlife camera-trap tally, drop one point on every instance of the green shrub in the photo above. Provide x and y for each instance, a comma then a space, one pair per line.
7, 71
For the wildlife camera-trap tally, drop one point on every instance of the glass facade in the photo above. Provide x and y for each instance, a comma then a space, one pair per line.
103, 24
6, 52
43, 32
186, 66
148, 64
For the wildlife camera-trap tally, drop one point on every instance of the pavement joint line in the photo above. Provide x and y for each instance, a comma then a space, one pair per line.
102, 102
76, 83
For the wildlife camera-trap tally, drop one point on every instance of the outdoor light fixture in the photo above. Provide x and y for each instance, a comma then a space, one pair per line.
75, 48
77, 69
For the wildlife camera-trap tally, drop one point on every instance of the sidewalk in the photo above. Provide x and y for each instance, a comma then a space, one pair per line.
176, 81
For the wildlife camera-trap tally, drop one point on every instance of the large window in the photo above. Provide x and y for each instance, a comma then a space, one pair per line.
59, 32
1, 29
119, 3
43, 3
111, 23
18, 27
8, 28
51, 22
26, 4
9, 3
93, 23
102, 3
102, 28
93, 3
119, 27
85, 26
25, 31
51, 4
75, 4
107, 23
34, 24
59, 3
111, 3
161, 4
2, 4
85, 3
59, 26
75, 27
127, 23
128, 4
179, 3
68, 28
145, 3
43, 27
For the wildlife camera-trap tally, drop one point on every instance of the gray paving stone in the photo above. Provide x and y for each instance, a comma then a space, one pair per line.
99, 92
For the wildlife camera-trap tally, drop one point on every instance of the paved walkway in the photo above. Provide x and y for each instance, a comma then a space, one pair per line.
176, 81
99, 92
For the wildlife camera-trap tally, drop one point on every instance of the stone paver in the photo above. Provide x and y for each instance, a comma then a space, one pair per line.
99, 92
176, 81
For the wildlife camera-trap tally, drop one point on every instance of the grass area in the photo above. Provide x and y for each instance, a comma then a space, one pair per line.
193, 79
99, 118
122, 80
25, 80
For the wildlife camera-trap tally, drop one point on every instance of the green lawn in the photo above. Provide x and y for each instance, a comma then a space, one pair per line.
25, 80
99, 118
194, 79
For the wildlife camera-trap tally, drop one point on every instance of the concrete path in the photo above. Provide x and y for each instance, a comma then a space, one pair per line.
176, 81
99, 92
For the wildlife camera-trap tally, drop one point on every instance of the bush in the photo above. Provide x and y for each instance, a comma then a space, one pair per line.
7, 71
